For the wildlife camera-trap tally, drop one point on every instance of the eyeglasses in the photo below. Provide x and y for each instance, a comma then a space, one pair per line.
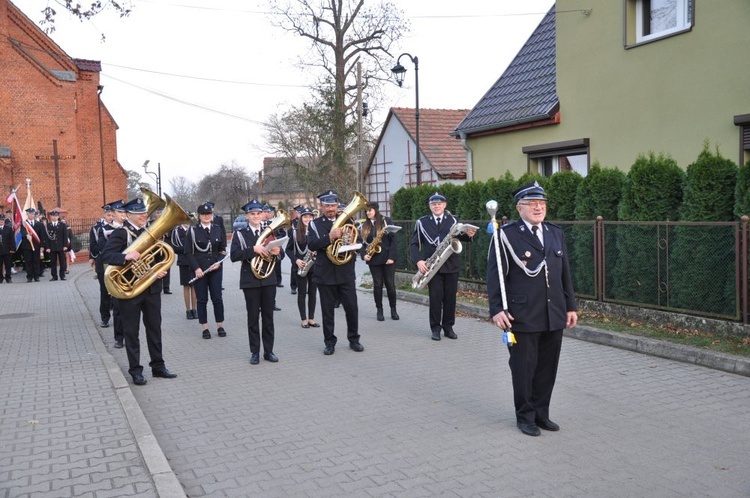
534, 204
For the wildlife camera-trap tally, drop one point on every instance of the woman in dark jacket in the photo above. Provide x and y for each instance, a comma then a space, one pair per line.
383, 263
297, 251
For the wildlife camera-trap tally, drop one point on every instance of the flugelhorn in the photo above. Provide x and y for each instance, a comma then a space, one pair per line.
341, 250
130, 280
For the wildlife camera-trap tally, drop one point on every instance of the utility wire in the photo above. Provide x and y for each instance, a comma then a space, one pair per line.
215, 80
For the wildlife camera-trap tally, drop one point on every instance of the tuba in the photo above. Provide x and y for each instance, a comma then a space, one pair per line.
341, 250
130, 280
152, 201
263, 266
449, 246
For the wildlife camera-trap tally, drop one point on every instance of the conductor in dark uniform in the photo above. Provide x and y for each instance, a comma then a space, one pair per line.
333, 280
206, 244
429, 232
147, 303
536, 299
260, 293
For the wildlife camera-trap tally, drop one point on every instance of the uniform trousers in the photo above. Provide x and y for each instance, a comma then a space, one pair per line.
6, 263
148, 305
306, 297
259, 302
32, 263
383, 274
533, 366
117, 320
105, 299
442, 290
347, 295
293, 277
211, 282
58, 258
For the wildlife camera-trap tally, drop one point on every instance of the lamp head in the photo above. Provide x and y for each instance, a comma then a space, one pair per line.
399, 72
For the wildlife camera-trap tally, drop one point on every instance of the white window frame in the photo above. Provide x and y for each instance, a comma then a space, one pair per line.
537, 154
684, 22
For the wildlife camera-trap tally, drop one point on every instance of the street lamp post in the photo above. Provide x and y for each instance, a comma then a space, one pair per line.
155, 176
399, 71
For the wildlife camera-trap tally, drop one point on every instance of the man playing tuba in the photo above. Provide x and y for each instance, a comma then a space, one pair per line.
147, 303
334, 273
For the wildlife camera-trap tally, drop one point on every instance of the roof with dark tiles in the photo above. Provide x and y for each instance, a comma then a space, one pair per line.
444, 153
526, 92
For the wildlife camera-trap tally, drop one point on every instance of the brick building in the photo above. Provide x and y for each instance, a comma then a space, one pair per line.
54, 128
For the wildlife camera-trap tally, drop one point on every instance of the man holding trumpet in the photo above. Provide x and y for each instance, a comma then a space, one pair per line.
531, 290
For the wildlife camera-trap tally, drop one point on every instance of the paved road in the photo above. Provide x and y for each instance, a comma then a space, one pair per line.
408, 417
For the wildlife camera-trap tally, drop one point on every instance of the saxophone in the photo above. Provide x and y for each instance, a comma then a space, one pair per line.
374, 247
349, 233
309, 261
444, 250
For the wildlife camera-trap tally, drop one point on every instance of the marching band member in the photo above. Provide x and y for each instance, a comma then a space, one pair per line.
540, 304
204, 243
382, 264
177, 241
294, 216
297, 249
118, 220
165, 282
7, 248
260, 294
333, 281
147, 303
32, 242
105, 300
429, 231
56, 245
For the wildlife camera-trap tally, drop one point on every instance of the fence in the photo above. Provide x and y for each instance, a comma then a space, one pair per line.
698, 268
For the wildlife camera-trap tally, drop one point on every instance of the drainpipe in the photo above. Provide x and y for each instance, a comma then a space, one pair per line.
469, 158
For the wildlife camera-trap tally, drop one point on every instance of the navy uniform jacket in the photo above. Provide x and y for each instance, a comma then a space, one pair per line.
325, 272
7, 239
243, 242
94, 238
176, 240
40, 231
426, 238
105, 230
388, 247
113, 251
535, 306
197, 241
56, 238
294, 249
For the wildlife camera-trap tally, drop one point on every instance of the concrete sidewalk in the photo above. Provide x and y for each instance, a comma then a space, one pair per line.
407, 417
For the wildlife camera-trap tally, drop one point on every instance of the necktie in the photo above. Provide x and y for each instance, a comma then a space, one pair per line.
437, 222
535, 231
257, 233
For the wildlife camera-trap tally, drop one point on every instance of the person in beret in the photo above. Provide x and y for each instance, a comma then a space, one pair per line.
205, 244
57, 243
429, 232
32, 245
146, 304
333, 281
530, 290
260, 293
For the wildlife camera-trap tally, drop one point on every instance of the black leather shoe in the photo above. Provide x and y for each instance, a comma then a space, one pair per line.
167, 291
118, 343
163, 373
189, 314
195, 314
529, 429
451, 335
221, 332
104, 324
206, 334
394, 315
547, 425
381, 318
328, 351
36, 280
294, 291
53, 279
63, 278
279, 285
357, 347
436, 336
270, 357
139, 380
254, 358
314, 324
276, 308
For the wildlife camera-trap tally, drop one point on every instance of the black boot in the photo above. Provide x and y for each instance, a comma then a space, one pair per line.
394, 315
380, 315
189, 314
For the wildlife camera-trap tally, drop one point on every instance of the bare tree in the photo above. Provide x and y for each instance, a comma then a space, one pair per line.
227, 188
184, 192
134, 184
123, 8
342, 33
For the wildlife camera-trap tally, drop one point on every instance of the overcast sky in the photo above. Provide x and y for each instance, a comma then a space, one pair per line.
189, 82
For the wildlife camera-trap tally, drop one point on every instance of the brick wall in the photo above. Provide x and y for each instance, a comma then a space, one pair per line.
46, 96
